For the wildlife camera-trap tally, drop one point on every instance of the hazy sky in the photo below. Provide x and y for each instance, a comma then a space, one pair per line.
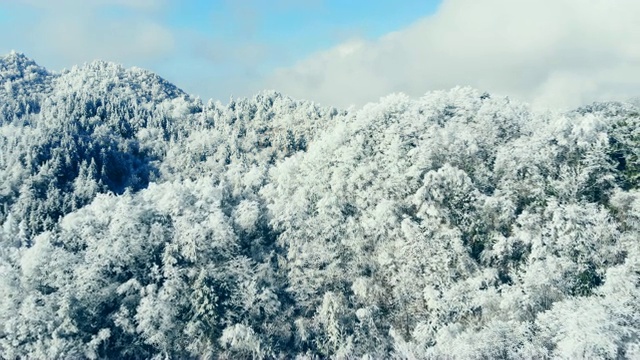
556, 53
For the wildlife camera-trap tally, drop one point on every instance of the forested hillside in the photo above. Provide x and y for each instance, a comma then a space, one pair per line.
139, 222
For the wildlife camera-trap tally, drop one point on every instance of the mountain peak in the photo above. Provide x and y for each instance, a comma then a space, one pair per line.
103, 76
17, 59
21, 75
17, 66
15, 55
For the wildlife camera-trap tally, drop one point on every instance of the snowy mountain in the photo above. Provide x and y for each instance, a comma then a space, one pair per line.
138, 222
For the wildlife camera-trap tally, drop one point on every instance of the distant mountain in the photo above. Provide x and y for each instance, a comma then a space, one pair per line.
23, 80
138, 222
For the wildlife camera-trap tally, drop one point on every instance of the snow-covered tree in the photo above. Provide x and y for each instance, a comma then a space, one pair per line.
139, 222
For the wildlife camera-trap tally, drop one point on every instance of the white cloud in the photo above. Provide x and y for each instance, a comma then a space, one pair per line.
118, 40
556, 53
73, 31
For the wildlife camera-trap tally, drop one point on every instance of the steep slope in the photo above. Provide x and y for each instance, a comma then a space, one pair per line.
67, 136
102, 128
22, 81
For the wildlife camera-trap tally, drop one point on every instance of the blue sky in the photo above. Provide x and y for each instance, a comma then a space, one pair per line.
213, 48
549, 53
239, 41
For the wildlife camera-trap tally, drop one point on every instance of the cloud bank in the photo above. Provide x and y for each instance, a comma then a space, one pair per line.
551, 53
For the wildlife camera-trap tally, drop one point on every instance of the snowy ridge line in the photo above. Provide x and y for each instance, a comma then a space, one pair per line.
139, 222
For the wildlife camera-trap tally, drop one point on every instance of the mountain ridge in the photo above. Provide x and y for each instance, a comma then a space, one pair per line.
139, 222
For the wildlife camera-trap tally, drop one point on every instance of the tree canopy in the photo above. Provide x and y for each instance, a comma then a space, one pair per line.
139, 222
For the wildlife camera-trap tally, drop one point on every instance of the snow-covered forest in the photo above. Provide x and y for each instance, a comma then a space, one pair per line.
139, 222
